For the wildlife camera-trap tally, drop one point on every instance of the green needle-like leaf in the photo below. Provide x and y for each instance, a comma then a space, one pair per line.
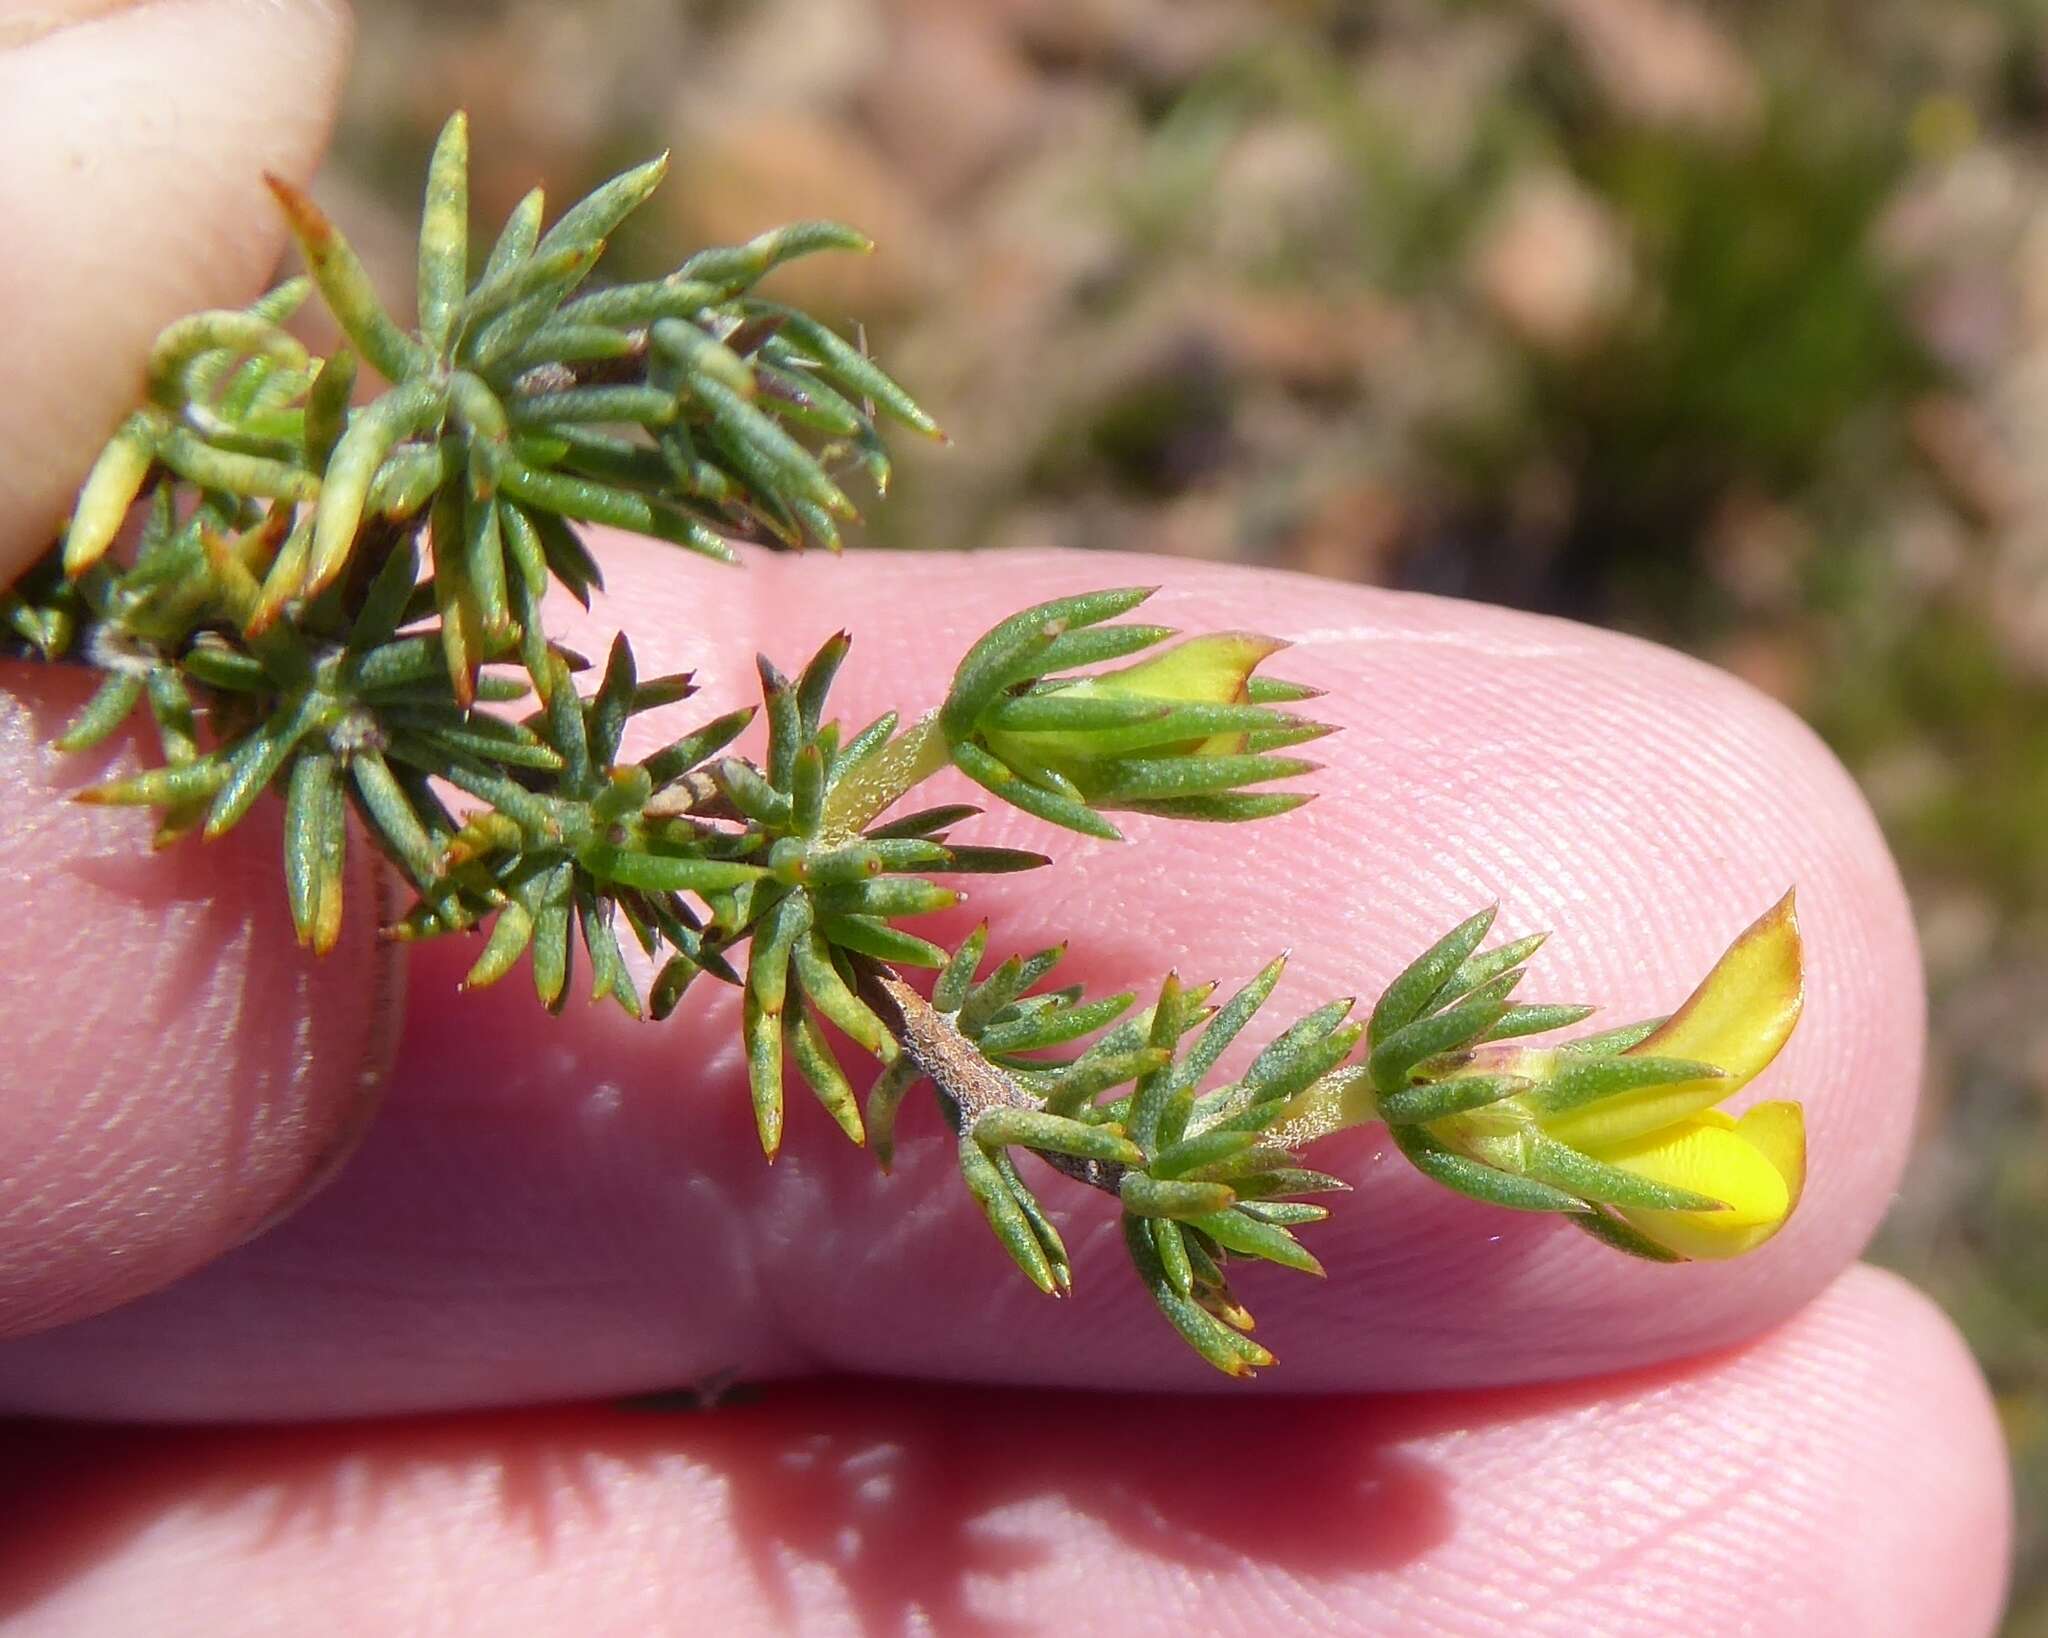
1033, 1129
762, 452
552, 950
1223, 1347
994, 662
845, 364
1435, 1100
669, 764
511, 933
1156, 779
885, 1097
1448, 1031
520, 234
1042, 1226
253, 764
371, 436
1591, 1079
999, 780
607, 962
1536, 1020
1074, 1088
1249, 1237
992, 1192
346, 286
699, 358
304, 825
1588, 1179
239, 334
666, 992
661, 873
592, 502
591, 220
735, 266
832, 997
1170, 1245
1613, 1042
1163, 1197
1610, 1230
956, 976
1484, 968
1173, 1015
110, 489
1409, 996
1053, 1026
108, 708
1479, 1181
444, 235
1224, 807
1203, 1150
807, 1049
761, 1032
867, 936
1225, 1026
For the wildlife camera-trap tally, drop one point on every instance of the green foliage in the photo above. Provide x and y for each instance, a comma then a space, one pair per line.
341, 603
1178, 735
339, 588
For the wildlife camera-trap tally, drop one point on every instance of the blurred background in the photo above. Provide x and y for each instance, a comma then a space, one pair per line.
1723, 323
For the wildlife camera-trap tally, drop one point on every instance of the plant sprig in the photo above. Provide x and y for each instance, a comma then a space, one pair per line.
336, 595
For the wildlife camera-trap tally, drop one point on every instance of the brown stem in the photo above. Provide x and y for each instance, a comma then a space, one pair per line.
969, 1085
696, 796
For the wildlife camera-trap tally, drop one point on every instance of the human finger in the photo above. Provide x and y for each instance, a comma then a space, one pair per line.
176, 1071
137, 133
1842, 1475
535, 1179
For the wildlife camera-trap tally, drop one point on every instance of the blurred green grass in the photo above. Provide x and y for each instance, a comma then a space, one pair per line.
1726, 324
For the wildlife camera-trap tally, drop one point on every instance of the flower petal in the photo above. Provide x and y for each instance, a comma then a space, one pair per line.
1207, 670
1737, 1019
1779, 1132
1745, 1008
1756, 1165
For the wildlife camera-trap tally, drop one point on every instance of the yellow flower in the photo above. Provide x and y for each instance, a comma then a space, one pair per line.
1673, 1134
1756, 1164
1621, 1130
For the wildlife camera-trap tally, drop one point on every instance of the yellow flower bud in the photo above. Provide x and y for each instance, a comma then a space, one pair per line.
1208, 670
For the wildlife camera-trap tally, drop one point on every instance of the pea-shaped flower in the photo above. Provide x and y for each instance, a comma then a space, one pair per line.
1623, 1131
1674, 1134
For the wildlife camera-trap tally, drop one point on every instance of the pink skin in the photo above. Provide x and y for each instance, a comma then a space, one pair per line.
558, 1209
532, 1178
1832, 1480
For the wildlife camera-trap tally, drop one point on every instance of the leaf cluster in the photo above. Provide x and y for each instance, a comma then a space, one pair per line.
336, 594
328, 596
1198, 1175
1063, 747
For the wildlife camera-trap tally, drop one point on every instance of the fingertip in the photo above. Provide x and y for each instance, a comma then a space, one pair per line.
179, 1071
1490, 756
1841, 1476
132, 194
1642, 805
